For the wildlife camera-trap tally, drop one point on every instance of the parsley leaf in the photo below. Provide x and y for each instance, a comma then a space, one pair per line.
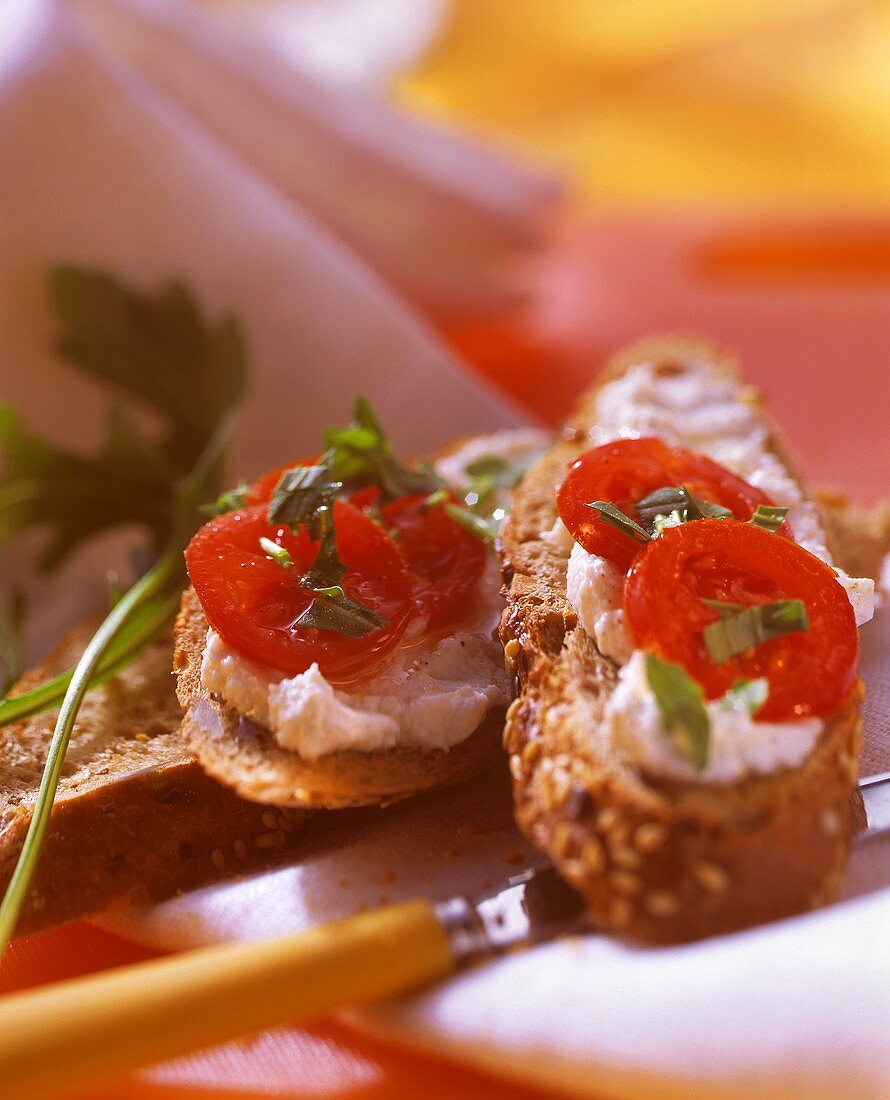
75, 497
327, 569
155, 348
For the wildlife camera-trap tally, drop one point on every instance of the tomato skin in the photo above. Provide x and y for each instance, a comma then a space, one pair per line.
444, 560
809, 672
627, 470
252, 602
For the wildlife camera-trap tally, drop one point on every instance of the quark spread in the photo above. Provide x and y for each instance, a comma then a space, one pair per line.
703, 411
431, 692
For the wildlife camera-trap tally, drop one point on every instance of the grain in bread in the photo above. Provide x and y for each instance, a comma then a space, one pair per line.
247, 757
135, 815
656, 860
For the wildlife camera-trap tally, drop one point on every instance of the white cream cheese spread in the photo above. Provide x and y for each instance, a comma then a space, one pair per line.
432, 692
703, 411
737, 746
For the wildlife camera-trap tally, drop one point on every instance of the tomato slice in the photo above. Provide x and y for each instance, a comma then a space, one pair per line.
252, 602
627, 470
444, 560
809, 672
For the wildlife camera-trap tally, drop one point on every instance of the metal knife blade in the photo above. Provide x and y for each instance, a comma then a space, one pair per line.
538, 905
876, 796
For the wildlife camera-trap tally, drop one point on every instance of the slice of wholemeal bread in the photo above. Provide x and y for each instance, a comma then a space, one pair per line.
246, 756
135, 815
657, 860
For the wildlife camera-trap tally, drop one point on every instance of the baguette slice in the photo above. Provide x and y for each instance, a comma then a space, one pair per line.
135, 815
657, 860
246, 757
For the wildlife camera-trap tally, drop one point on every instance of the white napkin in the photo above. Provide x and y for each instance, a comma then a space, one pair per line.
438, 215
99, 167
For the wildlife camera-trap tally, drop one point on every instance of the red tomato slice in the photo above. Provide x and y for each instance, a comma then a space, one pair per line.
627, 470
809, 672
444, 560
252, 602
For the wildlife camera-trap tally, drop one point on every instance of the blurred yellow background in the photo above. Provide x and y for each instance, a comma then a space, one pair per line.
778, 103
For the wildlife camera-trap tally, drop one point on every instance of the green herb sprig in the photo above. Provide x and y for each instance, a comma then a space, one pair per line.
159, 351
741, 628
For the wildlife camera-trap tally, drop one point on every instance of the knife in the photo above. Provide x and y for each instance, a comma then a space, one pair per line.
81, 1032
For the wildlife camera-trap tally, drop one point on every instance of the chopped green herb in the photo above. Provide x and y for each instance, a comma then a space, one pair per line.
486, 530
301, 492
677, 499
740, 631
362, 455
768, 516
681, 706
746, 696
612, 515
491, 477
341, 615
663, 523
276, 553
232, 500
327, 569
724, 608
439, 497
335, 591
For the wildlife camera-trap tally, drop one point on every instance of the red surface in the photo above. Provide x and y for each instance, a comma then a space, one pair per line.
804, 305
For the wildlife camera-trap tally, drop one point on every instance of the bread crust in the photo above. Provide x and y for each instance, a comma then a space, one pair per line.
135, 816
657, 861
246, 757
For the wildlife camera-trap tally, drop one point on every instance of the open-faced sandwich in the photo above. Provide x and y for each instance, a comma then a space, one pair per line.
337, 646
685, 739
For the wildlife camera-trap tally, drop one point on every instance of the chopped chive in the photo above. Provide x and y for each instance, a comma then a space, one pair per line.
617, 519
768, 516
747, 696
277, 553
480, 528
740, 631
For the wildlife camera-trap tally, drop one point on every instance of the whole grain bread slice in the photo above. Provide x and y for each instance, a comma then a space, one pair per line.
135, 815
246, 756
658, 861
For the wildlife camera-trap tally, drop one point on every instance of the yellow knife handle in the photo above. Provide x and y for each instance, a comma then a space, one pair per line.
77, 1033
